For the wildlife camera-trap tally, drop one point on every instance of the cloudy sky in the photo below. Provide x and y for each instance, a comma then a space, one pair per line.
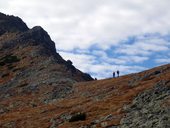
102, 36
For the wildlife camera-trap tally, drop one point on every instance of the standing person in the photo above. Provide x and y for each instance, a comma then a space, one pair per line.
117, 73
113, 74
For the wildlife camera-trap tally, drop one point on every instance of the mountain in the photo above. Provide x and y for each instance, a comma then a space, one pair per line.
29, 63
39, 89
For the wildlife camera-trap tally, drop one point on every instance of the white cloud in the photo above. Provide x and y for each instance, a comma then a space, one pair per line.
144, 46
76, 26
80, 61
119, 59
83, 23
162, 60
89, 63
133, 59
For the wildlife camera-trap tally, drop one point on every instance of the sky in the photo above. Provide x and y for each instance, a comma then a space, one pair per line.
102, 36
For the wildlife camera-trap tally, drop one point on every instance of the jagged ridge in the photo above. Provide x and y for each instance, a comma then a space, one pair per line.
39, 65
11, 24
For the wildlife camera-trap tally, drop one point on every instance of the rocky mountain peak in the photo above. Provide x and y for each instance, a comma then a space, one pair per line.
29, 62
11, 24
39, 37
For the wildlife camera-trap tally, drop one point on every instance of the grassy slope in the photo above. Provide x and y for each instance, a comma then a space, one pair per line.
97, 99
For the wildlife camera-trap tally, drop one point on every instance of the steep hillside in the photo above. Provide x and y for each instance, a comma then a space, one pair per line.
38, 89
29, 64
135, 100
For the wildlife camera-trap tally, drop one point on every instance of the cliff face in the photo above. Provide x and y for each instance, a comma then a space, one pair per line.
38, 89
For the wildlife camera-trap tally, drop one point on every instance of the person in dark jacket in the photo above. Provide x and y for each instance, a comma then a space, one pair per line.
117, 73
113, 74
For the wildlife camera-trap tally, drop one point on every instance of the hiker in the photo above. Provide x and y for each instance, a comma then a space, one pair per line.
117, 73
113, 74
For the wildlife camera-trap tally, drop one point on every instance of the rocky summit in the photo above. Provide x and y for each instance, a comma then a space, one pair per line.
39, 89
30, 65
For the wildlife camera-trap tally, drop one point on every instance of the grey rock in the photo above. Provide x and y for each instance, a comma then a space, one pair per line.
147, 111
9, 125
109, 117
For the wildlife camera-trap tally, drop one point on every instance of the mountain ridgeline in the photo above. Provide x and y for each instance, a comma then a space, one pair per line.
29, 62
39, 89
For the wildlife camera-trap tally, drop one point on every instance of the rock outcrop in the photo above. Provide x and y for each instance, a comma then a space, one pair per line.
29, 62
148, 109
11, 24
